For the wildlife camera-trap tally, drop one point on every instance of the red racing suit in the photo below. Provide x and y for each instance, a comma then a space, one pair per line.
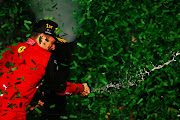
21, 69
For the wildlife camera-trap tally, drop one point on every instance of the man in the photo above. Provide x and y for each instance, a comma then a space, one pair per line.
62, 54
23, 66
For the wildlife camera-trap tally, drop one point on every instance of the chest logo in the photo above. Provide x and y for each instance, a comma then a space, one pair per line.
21, 49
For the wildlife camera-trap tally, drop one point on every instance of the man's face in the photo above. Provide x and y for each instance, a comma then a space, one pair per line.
50, 45
47, 42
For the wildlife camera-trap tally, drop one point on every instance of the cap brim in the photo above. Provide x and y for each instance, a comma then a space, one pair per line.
58, 39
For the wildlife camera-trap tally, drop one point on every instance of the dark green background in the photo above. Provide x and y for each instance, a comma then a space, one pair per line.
104, 53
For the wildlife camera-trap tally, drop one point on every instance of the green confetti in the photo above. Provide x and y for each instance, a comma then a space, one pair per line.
11, 52
23, 78
39, 111
28, 35
3, 26
72, 116
15, 88
14, 44
7, 49
75, 63
77, 88
73, 79
47, 40
26, 26
31, 86
73, 30
91, 95
102, 36
165, 84
20, 9
13, 69
63, 117
49, 9
8, 72
49, 18
64, 64
11, 64
86, 33
18, 95
88, 77
11, 106
5, 92
104, 82
1, 92
46, 3
140, 101
4, 114
124, 23
54, 5
2, 14
73, 67
63, 25
58, 31
80, 45
40, 39
10, 13
34, 68
82, 20
7, 65
28, 22
52, 106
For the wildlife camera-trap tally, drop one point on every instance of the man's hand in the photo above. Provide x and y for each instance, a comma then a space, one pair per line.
86, 90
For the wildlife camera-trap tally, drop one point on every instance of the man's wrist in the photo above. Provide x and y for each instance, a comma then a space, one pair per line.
83, 88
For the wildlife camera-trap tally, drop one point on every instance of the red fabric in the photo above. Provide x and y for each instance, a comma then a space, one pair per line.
72, 89
21, 81
13, 114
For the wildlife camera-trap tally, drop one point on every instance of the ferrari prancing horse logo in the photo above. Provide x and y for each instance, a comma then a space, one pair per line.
21, 49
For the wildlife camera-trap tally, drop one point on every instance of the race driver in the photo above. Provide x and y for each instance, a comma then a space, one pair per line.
22, 67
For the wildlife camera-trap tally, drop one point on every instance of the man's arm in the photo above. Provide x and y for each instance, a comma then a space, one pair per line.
54, 84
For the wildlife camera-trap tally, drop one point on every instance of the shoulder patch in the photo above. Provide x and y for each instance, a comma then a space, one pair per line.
21, 49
